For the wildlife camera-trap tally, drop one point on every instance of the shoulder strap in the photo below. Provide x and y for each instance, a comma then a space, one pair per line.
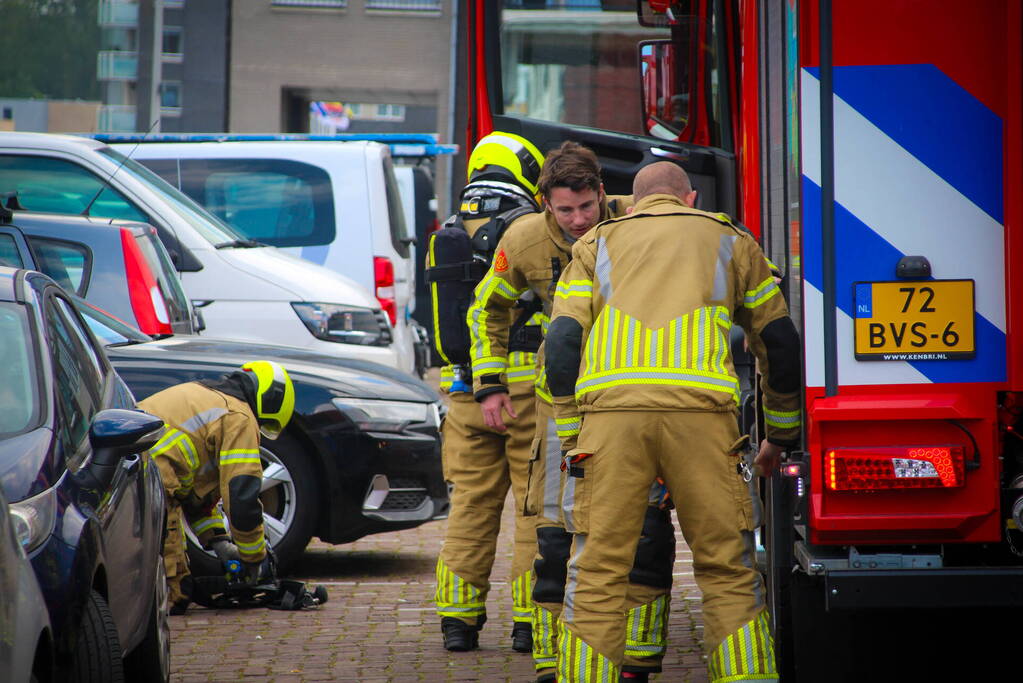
486, 238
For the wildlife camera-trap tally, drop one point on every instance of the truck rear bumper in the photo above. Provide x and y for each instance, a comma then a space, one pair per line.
924, 588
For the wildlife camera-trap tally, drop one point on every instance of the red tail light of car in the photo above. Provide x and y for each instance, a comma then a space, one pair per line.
383, 278
146, 298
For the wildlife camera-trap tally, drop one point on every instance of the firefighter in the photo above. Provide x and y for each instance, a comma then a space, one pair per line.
639, 353
481, 462
210, 451
530, 259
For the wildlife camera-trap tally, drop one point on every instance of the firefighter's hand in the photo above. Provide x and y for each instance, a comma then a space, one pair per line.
492, 405
225, 551
768, 459
256, 572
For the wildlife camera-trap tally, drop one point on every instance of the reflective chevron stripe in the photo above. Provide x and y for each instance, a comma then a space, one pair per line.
646, 629
746, 655
456, 597
580, 663
545, 646
522, 603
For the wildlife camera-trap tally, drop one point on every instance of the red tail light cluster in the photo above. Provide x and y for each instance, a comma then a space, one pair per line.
147, 301
896, 467
383, 277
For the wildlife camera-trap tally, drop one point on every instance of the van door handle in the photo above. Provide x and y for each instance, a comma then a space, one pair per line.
668, 154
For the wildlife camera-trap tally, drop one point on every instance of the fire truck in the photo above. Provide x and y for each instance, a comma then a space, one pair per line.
874, 147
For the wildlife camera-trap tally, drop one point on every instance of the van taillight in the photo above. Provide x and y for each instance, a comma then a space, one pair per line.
383, 278
895, 467
146, 298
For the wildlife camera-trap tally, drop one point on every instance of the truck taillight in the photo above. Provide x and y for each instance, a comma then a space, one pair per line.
383, 277
147, 301
896, 467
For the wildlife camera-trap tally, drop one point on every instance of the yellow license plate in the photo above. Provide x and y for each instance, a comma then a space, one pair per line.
919, 320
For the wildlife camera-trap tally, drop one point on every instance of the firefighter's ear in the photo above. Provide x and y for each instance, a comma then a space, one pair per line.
629, 209
690, 200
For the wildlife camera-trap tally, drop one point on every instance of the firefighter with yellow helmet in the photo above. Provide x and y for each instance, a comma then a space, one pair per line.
210, 452
480, 462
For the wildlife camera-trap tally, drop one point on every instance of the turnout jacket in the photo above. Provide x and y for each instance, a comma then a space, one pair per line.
210, 450
641, 320
529, 258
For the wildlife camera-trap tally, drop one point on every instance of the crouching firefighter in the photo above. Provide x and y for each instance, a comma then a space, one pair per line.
481, 462
530, 260
210, 452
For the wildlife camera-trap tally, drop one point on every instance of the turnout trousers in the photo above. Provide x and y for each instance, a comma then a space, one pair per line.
605, 500
481, 464
175, 549
649, 578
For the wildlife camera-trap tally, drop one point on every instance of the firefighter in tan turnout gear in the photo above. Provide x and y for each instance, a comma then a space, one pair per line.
638, 350
481, 462
210, 452
530, 258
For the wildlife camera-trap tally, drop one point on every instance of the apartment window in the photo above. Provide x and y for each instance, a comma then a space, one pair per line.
330, 4
172, 43
405, 5
170, 94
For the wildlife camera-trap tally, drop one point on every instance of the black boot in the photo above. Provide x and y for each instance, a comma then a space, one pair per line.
458, 635
547, 678
522, 637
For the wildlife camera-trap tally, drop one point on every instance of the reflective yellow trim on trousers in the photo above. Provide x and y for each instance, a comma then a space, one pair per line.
580, 663
746, 655
545, 642
646, 629
522, 603
456, 597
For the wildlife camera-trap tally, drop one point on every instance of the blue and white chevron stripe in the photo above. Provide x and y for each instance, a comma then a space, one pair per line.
918, 170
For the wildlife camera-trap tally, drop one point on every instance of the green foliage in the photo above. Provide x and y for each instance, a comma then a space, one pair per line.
49, 49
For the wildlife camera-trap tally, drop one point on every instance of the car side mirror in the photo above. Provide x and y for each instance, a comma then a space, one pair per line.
115, 434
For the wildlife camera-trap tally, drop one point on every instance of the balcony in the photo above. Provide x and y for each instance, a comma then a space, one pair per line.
118, 14
117, 66
116, 118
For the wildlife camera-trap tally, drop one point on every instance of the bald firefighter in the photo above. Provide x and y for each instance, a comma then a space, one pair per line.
481, 462
639, 354
530, 258
210, 452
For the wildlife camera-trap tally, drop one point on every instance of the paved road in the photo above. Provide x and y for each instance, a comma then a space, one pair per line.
379, 624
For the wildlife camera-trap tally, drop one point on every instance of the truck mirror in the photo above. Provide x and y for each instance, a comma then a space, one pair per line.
665, 105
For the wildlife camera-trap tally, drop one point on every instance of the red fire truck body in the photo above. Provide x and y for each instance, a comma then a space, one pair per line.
876, 149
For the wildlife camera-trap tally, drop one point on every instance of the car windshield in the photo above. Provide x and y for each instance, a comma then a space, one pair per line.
19, 388
209, 226
111, 331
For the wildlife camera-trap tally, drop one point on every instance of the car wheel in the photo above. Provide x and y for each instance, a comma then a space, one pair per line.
150, 661
97, 654
290, 499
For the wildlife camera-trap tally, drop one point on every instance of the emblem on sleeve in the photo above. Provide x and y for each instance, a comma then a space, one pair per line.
500, 262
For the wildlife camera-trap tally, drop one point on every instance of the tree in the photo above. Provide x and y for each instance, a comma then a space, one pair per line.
49, 49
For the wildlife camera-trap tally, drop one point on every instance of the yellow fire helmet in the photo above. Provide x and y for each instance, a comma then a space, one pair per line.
506, 156
275, 396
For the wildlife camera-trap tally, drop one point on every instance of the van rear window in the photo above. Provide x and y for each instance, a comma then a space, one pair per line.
277, 202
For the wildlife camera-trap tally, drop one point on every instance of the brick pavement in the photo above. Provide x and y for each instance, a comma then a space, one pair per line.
379, 623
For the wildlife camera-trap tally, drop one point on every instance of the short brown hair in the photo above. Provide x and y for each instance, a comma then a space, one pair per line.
572, 166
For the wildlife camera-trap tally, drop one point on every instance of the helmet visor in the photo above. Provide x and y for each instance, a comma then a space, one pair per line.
271, 429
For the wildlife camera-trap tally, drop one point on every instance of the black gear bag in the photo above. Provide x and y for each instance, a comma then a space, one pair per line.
456, 262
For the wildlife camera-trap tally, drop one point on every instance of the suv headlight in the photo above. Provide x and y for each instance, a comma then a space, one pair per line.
384, 416
33, 519
345, 324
